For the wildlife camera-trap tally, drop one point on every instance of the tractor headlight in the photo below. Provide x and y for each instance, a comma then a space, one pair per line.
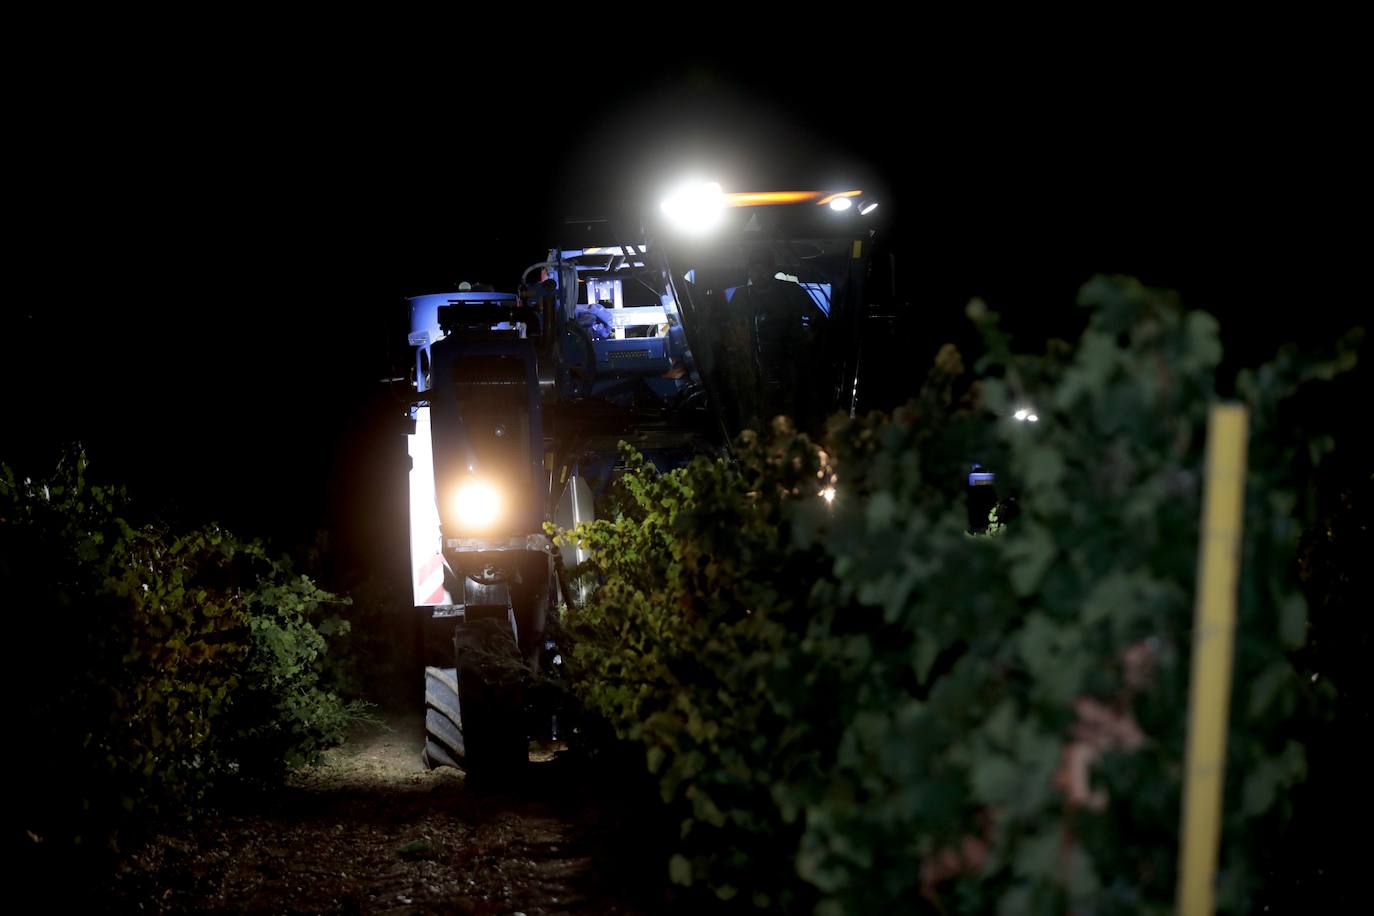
478, 504
694, 208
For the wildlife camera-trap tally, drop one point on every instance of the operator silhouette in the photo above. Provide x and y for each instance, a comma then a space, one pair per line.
782, 321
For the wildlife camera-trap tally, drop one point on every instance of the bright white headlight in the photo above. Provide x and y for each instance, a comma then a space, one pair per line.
695, 208
478, 504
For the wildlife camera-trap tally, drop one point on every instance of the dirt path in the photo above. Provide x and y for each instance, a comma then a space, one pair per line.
371, 831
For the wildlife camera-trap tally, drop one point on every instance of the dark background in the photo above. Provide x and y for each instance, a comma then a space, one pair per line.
208, 262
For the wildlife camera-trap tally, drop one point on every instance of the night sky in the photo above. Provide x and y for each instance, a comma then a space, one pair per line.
207, 269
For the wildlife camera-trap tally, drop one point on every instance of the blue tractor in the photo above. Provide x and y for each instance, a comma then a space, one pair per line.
725, 310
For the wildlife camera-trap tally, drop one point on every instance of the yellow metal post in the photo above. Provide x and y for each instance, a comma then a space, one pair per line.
1213, 635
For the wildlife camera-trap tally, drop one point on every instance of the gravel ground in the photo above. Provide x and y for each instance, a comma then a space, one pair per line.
370, 830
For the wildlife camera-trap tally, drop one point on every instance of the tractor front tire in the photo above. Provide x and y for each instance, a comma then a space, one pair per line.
444, 744
490, 682
474, 712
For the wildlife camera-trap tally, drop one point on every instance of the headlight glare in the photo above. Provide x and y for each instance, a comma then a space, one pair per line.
478, 504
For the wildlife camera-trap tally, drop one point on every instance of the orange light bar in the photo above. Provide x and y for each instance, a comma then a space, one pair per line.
826, 200
766, 198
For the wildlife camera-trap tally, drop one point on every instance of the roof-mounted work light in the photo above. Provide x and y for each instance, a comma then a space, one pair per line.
694, 208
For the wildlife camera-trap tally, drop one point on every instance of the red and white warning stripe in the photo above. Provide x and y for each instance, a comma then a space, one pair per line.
430, 581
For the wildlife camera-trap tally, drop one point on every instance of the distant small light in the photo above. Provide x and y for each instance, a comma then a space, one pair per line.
840, 204
1033, 418
1021, 414
828, 494
1314, 678
868, 208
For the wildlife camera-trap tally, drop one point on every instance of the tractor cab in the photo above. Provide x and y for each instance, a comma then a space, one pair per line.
773, 299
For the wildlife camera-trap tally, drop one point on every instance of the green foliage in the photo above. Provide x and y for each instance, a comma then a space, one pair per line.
853, 706
153, 666
285, 713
